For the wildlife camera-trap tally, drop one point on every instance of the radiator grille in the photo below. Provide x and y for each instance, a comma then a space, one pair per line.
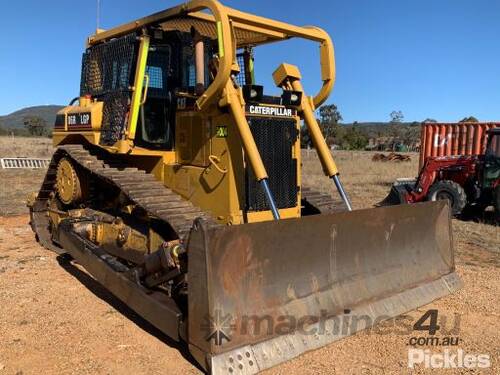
275, 138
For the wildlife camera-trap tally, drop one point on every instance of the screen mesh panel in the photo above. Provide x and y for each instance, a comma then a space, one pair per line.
107, 75
240, 77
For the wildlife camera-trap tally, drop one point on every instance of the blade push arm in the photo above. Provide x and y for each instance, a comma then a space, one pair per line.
235, 101
288, 77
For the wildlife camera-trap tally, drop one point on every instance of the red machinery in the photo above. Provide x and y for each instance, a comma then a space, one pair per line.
453, 139
465, 180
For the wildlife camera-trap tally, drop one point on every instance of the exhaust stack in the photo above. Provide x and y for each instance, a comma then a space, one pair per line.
199, 59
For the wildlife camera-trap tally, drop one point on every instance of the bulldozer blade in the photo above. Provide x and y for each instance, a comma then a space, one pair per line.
263, 293
398, 191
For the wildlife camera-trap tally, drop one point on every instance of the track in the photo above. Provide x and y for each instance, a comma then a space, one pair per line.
315, 202
141, 188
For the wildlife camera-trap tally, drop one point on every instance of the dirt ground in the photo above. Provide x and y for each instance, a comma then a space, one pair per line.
55, 319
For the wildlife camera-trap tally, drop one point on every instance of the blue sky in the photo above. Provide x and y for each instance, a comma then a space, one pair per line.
427, 58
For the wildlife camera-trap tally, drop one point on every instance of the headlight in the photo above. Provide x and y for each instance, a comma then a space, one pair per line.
253, 93
291, 98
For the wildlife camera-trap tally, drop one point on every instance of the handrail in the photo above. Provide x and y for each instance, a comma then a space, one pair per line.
215, 160
313, 33
327, 61
145, 90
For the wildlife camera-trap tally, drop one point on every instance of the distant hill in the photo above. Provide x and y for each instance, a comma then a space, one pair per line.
15, 119
376, 126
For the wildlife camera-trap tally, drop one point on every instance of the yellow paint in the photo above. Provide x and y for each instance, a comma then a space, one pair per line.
137, 95
284, 72
325, 156
67, 183
236, 104
84, 107
63, 137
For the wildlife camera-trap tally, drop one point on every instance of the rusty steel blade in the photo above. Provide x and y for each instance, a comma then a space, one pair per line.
263, 293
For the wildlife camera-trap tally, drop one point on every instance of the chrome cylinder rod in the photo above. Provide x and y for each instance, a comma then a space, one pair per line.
270, 199
342, 192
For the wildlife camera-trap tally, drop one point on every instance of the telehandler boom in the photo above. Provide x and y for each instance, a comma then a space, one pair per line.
176, 183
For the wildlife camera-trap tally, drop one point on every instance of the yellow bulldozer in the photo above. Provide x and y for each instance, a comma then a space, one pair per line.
176, 182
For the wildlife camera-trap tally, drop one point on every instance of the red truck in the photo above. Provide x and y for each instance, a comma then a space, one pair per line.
459, 162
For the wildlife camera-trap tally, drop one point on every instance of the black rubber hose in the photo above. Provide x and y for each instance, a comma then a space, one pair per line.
74, 100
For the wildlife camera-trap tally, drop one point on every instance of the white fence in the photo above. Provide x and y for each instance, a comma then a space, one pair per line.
27, 163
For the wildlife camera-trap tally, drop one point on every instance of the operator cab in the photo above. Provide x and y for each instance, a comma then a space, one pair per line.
170, 74
180, 67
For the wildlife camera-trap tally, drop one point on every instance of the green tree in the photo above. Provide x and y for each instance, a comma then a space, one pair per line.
329, 121
36, 126
353, 139
397, 116
430, 120
395, 128
329, 114
305, 138
469, 119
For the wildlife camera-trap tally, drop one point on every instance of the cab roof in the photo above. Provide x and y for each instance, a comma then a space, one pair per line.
206, 26
249, 29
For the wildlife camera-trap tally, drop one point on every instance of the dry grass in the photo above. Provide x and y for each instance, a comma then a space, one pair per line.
25, 147
15, 185
367, 182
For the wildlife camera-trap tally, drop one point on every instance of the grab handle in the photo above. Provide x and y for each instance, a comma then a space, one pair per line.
215, 160
145, 92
